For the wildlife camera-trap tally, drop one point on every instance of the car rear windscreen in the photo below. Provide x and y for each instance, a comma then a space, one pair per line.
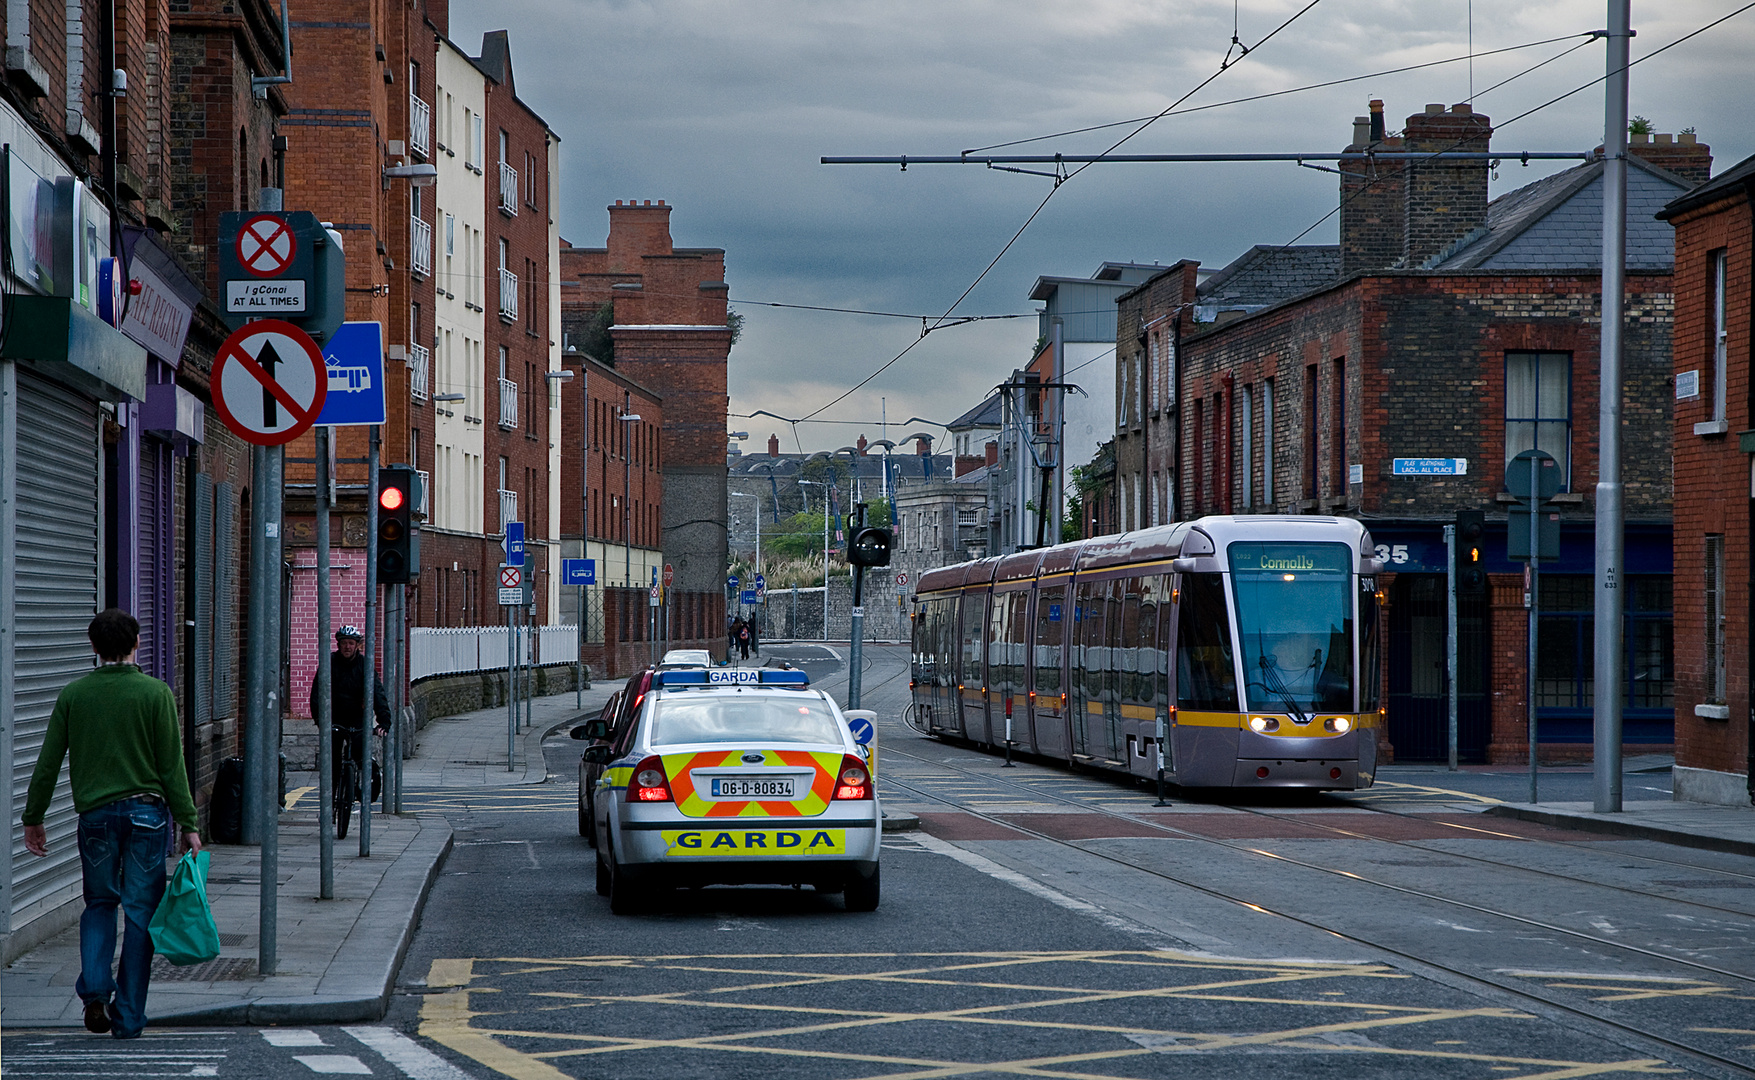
743, 719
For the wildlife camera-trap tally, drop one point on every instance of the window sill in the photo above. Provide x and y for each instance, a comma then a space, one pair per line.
1713, 427
1713, 712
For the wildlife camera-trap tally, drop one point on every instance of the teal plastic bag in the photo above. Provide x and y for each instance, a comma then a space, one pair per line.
183, 930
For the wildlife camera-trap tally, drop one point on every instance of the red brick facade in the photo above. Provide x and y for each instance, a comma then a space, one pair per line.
1712, 474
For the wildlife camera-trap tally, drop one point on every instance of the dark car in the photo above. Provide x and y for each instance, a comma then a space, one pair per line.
608, 726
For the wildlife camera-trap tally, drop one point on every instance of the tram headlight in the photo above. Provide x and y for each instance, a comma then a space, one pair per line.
1340, 725
1261, 725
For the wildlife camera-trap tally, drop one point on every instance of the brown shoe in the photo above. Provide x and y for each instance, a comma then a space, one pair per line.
97, 1016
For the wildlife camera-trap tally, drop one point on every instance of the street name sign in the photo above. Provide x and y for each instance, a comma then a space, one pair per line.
354, 356
269, 382
1431, 466
578, 571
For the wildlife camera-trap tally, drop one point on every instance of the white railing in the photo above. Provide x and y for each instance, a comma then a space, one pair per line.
420, 126
463, 649
420, 364
508, 190
420, 244
508, 507
426, 488
508, 295
508, 403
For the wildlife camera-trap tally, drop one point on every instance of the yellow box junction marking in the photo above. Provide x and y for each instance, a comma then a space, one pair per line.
526, 1054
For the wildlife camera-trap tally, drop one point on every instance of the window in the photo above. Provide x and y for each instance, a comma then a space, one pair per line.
504, 148
1246, 460
1206, 679
1538, 407
1200, 438
1310, 459
1717, 285
1337, 422
1714, 687
1267, 442
450, 235
1121, 397
1156, 376
1155, 519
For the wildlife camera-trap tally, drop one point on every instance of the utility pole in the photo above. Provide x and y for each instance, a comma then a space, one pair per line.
371, 631
325, 720
1611, 513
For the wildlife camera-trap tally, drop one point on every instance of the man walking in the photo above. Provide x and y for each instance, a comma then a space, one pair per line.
120, 727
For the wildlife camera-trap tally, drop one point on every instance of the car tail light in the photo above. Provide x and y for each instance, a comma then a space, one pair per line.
854, 781
1334, 774
1262, 773
648, 784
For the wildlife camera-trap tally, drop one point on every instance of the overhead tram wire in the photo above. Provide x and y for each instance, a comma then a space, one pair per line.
1058, 182
1532, 111
1589, 36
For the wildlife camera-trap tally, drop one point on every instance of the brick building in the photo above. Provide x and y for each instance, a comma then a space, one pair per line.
658, 313
1477, 340
1715, 290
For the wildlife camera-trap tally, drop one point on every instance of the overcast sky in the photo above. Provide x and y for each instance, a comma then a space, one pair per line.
723, 109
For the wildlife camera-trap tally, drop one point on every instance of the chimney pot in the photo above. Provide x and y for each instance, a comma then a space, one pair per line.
1686, 138
1377, 131
1463, 108
660, 202
1664, 140
1435, 110
1361, 130
1638, 138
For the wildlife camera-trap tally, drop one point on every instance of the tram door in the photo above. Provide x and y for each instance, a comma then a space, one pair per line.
1005, 665
1047, 682
1418, 705
970, 675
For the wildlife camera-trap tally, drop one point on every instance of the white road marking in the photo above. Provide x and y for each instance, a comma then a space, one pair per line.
292, 1037
1527, 973
334, 1064
409, 1057
1460, 926
1600, 923
734, 923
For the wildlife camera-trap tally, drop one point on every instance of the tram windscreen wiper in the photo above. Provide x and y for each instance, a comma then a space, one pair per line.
1270, 676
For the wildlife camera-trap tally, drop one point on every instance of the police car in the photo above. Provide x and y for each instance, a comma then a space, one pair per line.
732, 776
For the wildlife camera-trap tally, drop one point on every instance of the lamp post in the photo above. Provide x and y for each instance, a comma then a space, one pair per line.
579, 691
627, 496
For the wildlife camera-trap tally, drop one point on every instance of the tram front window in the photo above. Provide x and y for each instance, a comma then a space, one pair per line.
1295, 626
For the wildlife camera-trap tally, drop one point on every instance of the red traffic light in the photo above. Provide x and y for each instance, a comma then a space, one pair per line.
390, 498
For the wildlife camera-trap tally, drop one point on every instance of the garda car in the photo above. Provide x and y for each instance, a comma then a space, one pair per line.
735, 777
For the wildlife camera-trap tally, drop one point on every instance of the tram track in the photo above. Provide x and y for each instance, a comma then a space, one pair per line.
1522, 993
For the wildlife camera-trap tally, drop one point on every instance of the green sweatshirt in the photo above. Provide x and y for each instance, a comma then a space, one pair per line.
121, 725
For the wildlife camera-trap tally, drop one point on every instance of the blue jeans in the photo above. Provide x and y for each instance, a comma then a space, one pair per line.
122, 847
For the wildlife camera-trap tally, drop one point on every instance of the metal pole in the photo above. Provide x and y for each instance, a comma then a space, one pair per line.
579, 650
1533, 606
265, 516
532, 642
325, 722
1611, 514
856, 628
511, 697
399, 716
1450, 642
393, 636
1059, 433
268, 742
826, 562
371, 629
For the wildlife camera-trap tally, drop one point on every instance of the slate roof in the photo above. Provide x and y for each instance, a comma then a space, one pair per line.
985, 415
1266, 274
1741, 175
1557, 223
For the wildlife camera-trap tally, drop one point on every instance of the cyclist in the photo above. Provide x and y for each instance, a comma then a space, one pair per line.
347, 701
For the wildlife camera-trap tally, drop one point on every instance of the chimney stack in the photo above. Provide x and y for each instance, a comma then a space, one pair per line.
992, 450
773, 446
1445, 199
1681, 154
1373, 202
920, 447
861, 445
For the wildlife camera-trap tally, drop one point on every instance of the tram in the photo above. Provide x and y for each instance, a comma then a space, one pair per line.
1232, 652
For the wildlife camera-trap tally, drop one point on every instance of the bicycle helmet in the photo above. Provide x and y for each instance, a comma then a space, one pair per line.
349, 631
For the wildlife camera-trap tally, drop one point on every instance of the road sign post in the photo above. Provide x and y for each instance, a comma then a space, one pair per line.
1534, 477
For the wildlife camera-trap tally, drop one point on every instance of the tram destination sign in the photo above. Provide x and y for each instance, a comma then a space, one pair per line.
1431, 466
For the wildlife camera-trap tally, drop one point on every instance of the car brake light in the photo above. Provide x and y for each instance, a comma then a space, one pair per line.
854, 782
648, 784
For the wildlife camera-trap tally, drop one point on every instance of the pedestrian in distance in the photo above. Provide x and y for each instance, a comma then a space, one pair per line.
755, 640
744, 638
731, 635
118, 726
347, 703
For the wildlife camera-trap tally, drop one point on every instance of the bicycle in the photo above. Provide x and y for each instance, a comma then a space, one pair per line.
348, 783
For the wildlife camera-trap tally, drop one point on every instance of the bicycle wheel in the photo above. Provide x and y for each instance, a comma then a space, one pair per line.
346, 791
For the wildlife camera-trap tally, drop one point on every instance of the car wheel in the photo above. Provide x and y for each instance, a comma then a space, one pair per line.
624, 896
602, 876
862, 892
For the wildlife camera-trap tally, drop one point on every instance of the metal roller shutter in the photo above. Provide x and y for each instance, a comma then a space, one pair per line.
203, 569
154, 504
57, 590
225, 585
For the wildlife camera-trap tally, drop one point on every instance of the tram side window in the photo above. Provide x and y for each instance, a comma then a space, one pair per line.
999, 645
974, 631
1017, 635
1087, 662
1127, 642
1050, 623
1206, 677
1142, 639
947, 643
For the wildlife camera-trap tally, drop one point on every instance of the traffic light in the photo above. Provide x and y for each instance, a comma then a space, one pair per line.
398, 543
870, 547
1471, 566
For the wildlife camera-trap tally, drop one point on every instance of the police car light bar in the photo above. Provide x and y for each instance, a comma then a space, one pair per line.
701, 677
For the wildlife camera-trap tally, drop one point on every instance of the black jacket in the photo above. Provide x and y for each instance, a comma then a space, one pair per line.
347, 693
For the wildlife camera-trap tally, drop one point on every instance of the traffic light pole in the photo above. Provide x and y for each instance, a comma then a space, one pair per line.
371, 631
858, 621
325, 720
1450, 546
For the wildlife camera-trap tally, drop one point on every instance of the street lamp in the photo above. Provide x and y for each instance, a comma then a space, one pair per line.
627, 503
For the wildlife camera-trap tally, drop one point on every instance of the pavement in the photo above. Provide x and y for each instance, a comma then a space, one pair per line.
338, 959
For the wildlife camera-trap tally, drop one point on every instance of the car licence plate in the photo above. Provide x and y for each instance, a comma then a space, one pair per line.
751, 787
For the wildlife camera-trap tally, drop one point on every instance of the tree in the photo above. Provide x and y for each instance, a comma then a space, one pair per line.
593, 336
734, 319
